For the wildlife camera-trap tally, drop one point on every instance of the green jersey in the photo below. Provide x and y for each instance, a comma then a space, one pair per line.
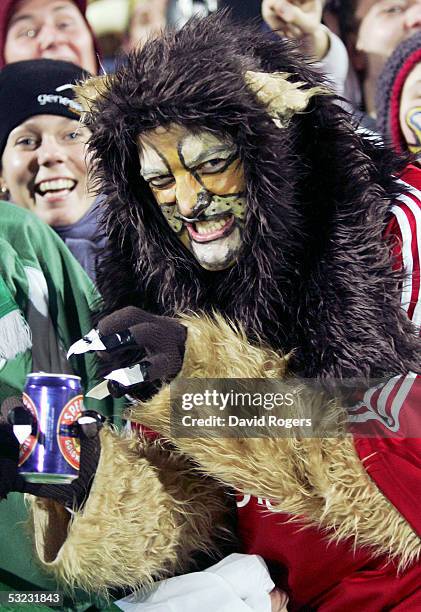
56, 299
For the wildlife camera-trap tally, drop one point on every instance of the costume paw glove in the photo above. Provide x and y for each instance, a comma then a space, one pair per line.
9, 457
71, 495
133, 336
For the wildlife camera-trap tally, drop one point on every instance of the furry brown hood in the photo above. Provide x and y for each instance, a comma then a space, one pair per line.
314, 274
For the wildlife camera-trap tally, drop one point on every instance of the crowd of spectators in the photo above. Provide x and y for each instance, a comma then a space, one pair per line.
351, 40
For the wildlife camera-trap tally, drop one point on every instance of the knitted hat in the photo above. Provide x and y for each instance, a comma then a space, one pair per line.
37, 87
389, 89
6, 11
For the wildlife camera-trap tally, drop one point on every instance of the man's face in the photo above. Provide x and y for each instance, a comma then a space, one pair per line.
385, 23
410, 110
198, 182
51, 29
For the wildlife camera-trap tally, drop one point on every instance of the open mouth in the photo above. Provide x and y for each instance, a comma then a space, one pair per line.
212, 229
54, 188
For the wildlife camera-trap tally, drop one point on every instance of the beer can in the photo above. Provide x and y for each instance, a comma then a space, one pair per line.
51, 452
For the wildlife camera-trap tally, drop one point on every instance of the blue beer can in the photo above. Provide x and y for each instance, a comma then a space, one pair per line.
51, 452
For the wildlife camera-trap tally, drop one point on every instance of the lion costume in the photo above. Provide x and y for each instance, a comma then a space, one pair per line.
328, 245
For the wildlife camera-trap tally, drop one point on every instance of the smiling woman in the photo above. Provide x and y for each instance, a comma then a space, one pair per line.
43, 165
43, 151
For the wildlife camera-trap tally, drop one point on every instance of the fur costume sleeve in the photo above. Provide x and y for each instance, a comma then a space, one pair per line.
145, 516
320, 479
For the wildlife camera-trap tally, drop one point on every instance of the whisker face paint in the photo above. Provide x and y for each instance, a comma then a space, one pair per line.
197, 180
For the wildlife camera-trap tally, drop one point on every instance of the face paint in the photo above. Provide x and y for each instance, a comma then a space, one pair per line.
198, 181
410, 110
174, 222
413, 121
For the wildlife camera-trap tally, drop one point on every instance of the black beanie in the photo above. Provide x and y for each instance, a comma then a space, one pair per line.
389, 89
37, 87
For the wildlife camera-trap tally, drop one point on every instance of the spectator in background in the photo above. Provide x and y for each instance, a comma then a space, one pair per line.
398, 97
53, 29
121, 25
42, 152
109, 19
303, 21
146, 18
371, 30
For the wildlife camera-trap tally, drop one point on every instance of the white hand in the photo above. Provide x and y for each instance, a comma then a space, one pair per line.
299, 19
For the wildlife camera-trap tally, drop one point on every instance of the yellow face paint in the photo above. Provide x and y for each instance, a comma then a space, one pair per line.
198, 182
413, 121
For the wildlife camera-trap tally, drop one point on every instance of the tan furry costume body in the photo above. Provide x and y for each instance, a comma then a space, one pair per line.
151, 507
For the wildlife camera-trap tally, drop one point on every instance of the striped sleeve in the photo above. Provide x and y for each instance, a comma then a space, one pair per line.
405, 226
394, 406
392, 453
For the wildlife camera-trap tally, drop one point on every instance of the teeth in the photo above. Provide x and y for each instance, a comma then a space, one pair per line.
206, 227
56, 185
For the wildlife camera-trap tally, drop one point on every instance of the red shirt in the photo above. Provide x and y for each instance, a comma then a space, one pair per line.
335, 577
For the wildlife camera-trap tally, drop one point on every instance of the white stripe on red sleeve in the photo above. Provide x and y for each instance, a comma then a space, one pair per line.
407, 211
385, 403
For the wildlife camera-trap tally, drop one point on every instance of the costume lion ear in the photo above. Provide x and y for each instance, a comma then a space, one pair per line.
89, 91
281, 97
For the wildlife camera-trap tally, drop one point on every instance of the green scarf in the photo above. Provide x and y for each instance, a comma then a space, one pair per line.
15, 335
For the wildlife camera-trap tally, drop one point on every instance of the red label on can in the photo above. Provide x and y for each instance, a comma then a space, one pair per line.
30, 442
68, 445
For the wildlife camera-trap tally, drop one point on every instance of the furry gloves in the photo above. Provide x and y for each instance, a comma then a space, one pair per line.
70, 495
157, 343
